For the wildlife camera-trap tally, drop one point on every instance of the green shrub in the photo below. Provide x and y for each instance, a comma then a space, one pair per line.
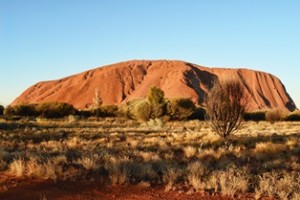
154, 106
109, 111
180, 109
1, 109
21, 110
274, 115
294, 116
142, 111
255, 116
55, 109
156, 99
128, 109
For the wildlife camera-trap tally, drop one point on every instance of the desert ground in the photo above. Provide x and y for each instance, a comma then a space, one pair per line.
125, 159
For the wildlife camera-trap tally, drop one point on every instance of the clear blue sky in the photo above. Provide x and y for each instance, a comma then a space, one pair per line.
50, 39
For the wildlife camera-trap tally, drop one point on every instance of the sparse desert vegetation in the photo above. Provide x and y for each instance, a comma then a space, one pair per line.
142, 143
260, 161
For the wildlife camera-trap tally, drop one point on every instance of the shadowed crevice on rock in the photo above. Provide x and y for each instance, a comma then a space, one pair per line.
195, 77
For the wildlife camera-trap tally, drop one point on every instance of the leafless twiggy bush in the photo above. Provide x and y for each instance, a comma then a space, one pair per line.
225, 107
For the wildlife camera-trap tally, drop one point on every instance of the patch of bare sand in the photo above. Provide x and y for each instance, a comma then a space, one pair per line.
13, 188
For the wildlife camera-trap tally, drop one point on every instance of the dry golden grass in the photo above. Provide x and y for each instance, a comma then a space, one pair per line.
261, 158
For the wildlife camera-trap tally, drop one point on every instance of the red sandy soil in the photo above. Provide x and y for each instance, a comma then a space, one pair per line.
121, 82
12, 188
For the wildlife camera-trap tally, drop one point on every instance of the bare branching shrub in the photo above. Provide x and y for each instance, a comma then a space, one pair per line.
225, 107
274, 115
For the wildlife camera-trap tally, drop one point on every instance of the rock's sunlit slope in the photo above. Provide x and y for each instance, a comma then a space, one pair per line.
129, 80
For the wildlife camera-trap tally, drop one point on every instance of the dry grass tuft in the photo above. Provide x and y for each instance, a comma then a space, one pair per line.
17, 167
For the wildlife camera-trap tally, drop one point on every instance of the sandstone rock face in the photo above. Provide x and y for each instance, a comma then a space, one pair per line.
121, 82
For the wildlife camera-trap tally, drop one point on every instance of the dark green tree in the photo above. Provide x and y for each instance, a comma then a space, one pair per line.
1, 110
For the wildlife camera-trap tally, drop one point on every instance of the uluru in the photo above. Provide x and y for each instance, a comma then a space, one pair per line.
125, 81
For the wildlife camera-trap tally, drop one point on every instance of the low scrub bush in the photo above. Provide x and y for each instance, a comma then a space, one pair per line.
102, 111
198, 113
85, 113
137, 109
255, 116
180, 109
294, 116
47, 110
275, 115
142, 111
157, 102
55, 109
109, 111
128, 109
21, 110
